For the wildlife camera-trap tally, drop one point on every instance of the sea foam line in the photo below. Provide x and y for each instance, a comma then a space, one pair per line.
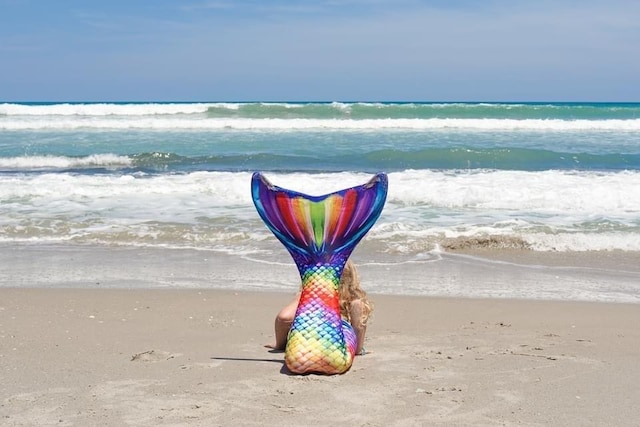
102, 109
172, 123
64, 162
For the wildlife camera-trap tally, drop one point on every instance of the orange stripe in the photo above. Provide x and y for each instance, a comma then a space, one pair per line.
345, 213
333, 205
300, 208
285, 208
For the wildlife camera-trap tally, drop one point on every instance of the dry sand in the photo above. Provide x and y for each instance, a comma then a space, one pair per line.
118, 357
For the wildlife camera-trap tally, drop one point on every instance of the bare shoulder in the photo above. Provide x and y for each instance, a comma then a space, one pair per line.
356, 304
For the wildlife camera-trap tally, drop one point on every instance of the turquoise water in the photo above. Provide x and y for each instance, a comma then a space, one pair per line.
357, 137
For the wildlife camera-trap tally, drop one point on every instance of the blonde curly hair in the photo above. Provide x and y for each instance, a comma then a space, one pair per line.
349, 291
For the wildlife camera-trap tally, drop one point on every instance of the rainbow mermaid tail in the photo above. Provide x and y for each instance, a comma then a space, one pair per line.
320, 233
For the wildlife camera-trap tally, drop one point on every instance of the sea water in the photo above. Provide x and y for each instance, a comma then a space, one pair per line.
535, 176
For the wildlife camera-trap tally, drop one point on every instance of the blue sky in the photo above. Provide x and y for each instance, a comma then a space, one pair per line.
322, 50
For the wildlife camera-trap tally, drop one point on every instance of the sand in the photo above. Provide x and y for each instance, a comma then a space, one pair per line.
195, 357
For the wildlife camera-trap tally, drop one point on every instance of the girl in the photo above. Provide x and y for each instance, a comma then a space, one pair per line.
355, 308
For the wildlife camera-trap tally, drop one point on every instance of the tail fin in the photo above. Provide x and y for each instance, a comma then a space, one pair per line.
319, 228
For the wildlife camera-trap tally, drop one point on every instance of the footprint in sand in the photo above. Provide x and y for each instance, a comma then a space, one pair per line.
153, 356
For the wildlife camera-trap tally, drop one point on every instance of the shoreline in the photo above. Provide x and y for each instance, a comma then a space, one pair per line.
148, 357
490, 274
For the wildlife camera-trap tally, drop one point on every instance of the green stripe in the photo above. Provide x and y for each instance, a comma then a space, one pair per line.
317, 212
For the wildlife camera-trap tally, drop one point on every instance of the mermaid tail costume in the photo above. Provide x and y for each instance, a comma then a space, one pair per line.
320, 233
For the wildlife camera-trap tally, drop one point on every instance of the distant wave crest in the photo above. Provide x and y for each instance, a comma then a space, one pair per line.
101, 109
279, 125
63, 162
320, 116
460, 158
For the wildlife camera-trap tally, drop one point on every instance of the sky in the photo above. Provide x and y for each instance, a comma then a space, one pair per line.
320, 50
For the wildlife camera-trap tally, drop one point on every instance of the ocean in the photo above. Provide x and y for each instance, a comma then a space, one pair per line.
546, 177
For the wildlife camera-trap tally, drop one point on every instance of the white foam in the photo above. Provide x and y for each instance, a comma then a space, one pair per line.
104, 109
64, 162
545, 193
584, 242
553, 195
150, 122
550, 210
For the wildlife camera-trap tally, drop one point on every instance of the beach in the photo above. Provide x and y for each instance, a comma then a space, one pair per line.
188, 351
139, 286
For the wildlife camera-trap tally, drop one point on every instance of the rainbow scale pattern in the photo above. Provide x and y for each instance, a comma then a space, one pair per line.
320, 232
319, 340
